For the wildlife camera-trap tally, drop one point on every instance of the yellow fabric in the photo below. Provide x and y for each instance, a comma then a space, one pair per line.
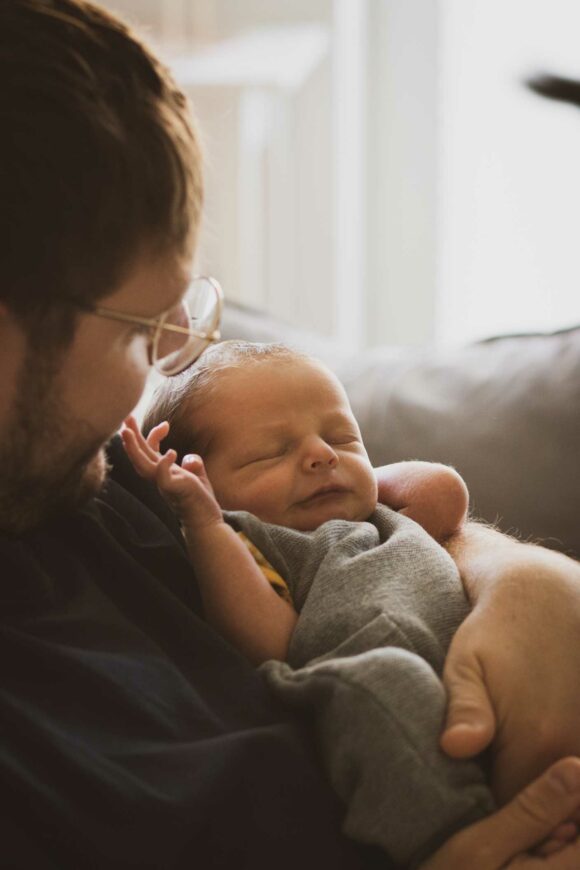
274, 579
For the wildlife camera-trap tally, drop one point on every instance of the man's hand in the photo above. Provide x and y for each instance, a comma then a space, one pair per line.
503, 840
512, 668
186, 487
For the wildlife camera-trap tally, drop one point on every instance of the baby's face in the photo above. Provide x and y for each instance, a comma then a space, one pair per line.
284, 445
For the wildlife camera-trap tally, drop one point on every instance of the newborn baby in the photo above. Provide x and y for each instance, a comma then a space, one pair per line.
350, 605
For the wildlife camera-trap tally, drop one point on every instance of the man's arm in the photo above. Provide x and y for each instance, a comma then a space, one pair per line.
512, 671
433, 495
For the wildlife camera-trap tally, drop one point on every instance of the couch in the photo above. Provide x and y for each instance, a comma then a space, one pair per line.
504, 412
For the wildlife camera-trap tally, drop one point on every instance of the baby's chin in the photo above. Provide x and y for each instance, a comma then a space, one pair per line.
309, 517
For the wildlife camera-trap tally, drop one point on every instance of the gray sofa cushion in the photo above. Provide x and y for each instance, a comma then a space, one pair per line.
505, 412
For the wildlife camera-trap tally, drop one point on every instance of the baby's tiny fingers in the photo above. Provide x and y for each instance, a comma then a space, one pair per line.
157, 434
164, 476
192, 462
140, 460
132, 425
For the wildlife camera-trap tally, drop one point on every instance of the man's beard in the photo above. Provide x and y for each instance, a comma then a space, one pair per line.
48, 464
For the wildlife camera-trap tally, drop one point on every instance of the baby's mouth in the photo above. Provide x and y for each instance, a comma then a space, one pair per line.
323, 492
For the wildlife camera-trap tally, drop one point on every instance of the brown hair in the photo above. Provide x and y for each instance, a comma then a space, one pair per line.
99, 161
180, 399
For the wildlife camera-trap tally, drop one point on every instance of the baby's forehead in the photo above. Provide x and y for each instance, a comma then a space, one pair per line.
258, 376
283, 389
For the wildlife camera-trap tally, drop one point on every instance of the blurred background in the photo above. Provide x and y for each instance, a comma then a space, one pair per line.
376, 170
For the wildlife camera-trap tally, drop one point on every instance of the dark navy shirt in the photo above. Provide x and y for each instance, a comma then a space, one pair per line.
132, 735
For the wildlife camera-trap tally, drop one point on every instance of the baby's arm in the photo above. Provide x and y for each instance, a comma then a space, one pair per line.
433, 495
238, 600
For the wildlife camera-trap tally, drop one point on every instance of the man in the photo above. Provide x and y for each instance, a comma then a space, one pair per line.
131, 734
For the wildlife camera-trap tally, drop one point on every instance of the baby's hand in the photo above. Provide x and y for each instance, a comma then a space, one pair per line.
185, 487
433, 495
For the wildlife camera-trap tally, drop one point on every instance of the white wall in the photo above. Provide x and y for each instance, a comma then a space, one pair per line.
437, 200
401, 170
510, 170
283, 219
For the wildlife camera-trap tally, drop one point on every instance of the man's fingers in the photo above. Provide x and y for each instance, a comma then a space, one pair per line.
470, 724
536, 811
511, 832
564, 834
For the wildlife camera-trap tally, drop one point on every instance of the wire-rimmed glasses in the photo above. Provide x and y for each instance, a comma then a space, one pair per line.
180, 334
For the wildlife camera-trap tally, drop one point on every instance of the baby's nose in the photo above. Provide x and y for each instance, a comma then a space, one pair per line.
321, 455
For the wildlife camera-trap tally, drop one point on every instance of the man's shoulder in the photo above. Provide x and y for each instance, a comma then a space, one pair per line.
125, 531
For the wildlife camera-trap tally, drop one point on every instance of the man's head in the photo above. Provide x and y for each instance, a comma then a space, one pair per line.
98, 160
101, 191
276, 433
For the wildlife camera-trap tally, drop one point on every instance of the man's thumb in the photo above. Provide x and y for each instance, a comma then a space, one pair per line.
470, 724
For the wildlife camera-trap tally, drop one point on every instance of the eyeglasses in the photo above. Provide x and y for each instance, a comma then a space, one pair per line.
178, 336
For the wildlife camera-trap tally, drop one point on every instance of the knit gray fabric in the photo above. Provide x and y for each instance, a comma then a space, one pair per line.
379, 602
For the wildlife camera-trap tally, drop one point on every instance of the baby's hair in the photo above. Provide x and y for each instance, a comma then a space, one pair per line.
179, 398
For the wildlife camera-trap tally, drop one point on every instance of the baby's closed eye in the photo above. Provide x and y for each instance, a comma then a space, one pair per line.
344, 438
267, 455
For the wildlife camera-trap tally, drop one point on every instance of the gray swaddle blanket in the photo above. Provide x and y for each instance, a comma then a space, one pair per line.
379, 602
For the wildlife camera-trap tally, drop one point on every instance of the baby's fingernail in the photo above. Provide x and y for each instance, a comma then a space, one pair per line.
191, 457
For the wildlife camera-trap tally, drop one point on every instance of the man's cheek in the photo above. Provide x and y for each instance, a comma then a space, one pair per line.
124, 393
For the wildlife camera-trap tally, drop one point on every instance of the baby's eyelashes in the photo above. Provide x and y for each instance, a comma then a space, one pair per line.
267, 457
270, 455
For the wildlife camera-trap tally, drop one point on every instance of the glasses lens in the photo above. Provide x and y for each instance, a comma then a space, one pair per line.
200, 312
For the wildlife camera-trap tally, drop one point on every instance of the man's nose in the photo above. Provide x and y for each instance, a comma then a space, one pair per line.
319, 455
